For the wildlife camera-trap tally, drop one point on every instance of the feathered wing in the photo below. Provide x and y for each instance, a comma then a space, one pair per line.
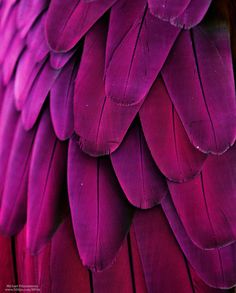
107, 108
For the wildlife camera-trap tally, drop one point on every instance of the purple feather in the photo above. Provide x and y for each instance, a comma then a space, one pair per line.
58, 60
163, 263
14, 200
64, 255
206, 204
69, 21
11, 58
193, 14
61, 101
119, 274
209, 120
141, 181
38, 93
28, 12
100, 123
166, 137
26, 73
36, 40
7, 34
216, 267
7, 8
47, 200
8, 121
168, 9
128, 75
100, 213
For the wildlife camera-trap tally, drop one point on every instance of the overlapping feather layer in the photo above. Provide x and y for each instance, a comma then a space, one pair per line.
118, 128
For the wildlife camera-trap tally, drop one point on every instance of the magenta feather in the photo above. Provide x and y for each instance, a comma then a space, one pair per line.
100, 123
216, 267
167, 10
28, 12
209, 120
128, 76
11, 58
141, 181
8, 122
59, 60
7, 263
37, 94
64, 255
73, 20
208, 215
26, 73
163, 262
36, 40
7, 33
47, 201
192, 15
14, 200
61, 101
166, 137
119, 274
100, 213
7, 8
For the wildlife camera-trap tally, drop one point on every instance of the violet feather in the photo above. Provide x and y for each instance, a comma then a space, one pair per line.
141, 181
166, 137
100, 213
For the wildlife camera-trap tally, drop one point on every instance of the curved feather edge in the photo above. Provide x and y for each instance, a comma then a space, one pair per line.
216, 267
47, 195
101, 215
141, 181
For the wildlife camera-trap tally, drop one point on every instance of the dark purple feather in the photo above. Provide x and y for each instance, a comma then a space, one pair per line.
147, 40
58, 60
99, 121
8, 122
69, 21
192, 15
209, 120
206, 204
167, 9
66, 269
163, 262
61, 101
166, 138
100, 213
37, 94
14, 200
47, 188
216, 267
117, 278
141, 181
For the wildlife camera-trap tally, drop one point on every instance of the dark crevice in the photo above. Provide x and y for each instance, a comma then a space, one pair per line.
189, 274
131, 263
91, 281
13, 250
